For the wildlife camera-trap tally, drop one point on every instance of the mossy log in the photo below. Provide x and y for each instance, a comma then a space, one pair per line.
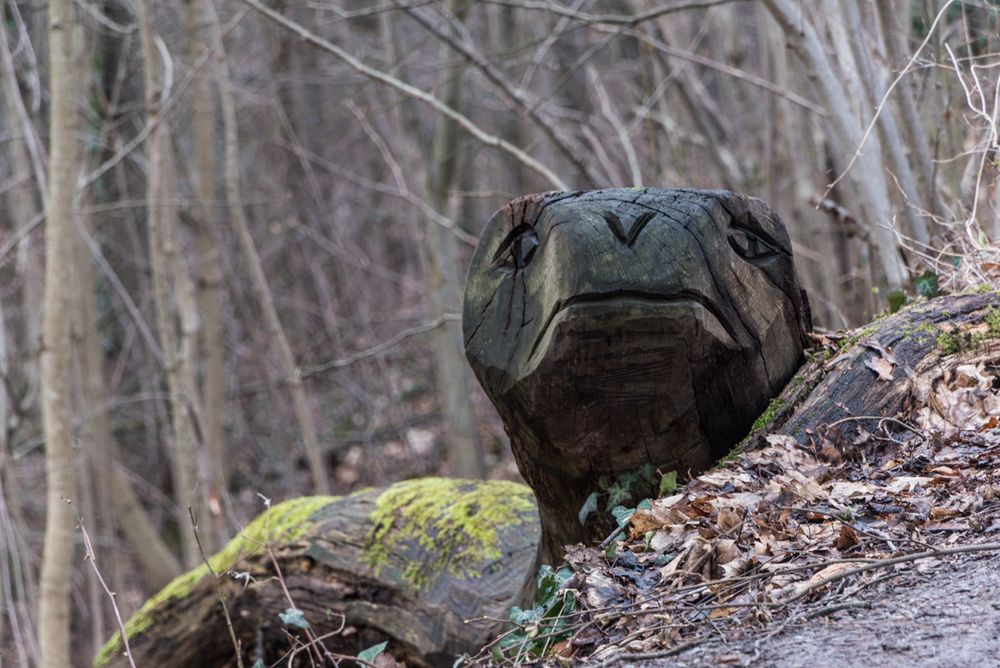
410, 564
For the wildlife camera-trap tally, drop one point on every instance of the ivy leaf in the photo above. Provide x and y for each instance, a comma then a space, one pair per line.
622, 515
589, 506
668, 483
294, 617
645, 504
648, 473
259, 663
897, 298
927, 284
628, 479
619, 492
369, 655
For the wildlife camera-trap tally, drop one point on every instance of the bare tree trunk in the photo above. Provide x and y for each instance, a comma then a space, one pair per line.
894, 32
465, 457
803, 160
56, 367
162, 257
209, 276
94, 497
873, 85
867, 174
23, 207
262, 291
157, 562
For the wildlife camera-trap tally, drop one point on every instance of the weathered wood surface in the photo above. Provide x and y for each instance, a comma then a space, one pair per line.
921, 343
617, 328
408, 564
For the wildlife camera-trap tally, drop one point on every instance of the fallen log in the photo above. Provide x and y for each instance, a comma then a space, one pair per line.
409, 563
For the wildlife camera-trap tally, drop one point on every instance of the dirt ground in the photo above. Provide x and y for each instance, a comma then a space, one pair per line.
943, 615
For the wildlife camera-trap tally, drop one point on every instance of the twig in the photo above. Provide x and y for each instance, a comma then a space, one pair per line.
168, 106
864, 532
515, 95
218, 590
615, 19
90, 556
645, 656
882, 563
380, 348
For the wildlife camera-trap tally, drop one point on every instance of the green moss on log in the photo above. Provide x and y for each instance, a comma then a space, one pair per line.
454, 524
284, 522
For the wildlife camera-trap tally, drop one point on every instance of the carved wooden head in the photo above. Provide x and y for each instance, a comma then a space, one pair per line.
613, 328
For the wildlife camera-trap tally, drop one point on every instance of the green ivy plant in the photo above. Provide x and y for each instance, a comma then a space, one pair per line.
538, 628
624, 489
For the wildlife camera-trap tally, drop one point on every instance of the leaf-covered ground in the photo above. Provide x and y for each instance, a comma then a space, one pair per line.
786, 540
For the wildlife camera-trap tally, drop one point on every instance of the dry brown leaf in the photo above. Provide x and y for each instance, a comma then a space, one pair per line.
600, 589
881, 366
940, 513
644, 520
729, 520
848, 538
738, 480
903, 484
878, 347
829, 573
830, 453
563, 648
722, 613
844, 491
782, 440
726, 551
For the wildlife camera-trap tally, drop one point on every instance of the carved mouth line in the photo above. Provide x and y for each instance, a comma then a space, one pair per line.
683, 296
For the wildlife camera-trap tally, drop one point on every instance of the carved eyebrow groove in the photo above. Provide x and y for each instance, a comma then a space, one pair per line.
615, 223
509, 239
637, 226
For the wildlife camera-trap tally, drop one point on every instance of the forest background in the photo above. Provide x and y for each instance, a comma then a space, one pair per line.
259, 216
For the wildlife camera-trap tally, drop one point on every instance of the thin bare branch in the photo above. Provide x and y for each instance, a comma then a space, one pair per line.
411, 91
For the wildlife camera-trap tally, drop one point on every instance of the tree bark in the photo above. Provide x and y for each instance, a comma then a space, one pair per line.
28, 173
894, 23
56, 367
867, 174
209, 269
162, 257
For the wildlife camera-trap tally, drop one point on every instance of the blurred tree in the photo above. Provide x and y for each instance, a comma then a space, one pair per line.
56, 361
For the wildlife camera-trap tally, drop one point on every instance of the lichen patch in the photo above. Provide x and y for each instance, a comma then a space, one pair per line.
431, 526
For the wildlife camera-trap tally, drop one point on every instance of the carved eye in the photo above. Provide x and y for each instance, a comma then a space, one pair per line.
517, 249
750, 246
